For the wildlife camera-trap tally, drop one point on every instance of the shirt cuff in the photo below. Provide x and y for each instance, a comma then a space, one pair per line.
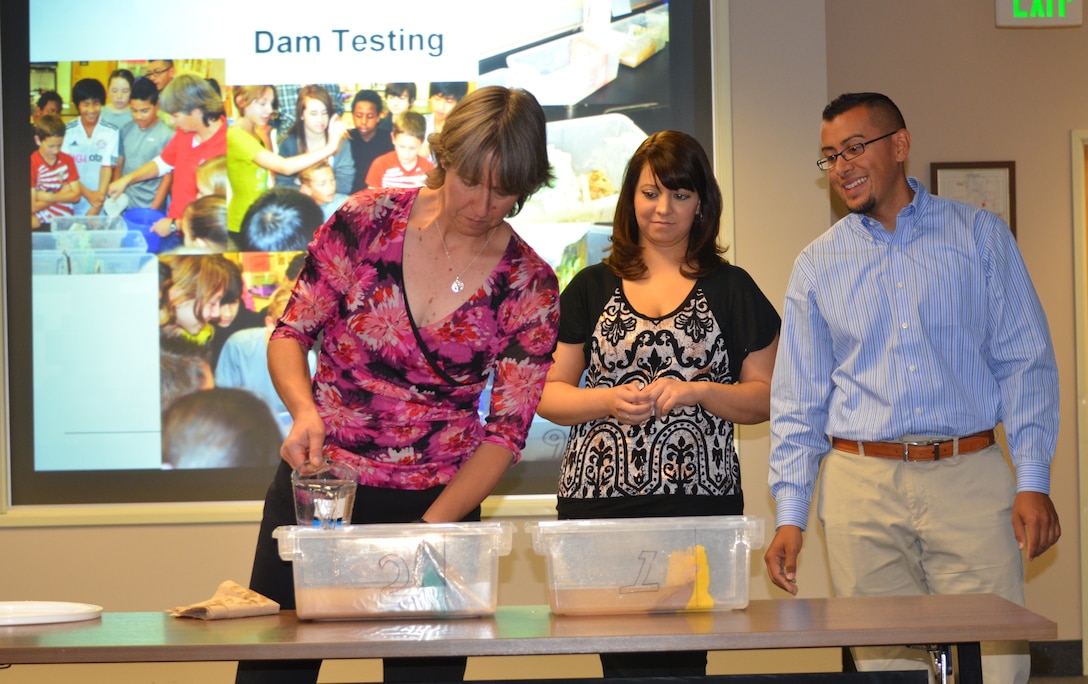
791, 511
286, 331
1033, 476
162, 166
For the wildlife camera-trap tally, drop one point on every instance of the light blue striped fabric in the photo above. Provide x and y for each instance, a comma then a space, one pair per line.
934, 329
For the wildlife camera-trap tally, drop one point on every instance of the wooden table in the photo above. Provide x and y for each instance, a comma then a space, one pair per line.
533, 630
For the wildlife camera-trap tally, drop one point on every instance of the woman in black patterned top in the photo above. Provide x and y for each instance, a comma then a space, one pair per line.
676, 345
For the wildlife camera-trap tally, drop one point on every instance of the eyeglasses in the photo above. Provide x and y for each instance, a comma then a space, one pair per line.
851, 152
155, 73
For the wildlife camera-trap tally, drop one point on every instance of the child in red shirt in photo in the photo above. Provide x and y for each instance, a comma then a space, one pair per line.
54, 179
403, 167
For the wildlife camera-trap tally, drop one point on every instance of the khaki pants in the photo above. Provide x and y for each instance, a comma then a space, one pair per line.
942, 527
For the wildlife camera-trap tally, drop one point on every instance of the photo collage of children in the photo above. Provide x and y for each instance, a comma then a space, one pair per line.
161, 165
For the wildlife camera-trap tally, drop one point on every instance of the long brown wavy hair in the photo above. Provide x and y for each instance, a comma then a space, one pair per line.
678, 162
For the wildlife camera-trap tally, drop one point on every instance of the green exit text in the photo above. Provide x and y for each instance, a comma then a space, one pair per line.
1039, 8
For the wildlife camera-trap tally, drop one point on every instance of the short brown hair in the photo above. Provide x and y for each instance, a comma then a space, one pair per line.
188, 92
243, 96
207, 220
212, 173
410, 123
502, 126
49, 126
307, 174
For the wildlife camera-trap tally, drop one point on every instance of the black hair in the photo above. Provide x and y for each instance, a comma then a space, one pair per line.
294, 266
144, 89
282, 219
49, 96
456, 89
367, 96
398, 88
880, 107
88, 89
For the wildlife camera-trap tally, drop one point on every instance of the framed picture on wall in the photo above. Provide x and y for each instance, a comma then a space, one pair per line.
990, 185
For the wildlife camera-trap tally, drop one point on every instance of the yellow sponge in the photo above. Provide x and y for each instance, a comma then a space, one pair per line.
690, 567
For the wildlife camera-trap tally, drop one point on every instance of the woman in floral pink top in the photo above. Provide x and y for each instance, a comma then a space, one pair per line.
416, 298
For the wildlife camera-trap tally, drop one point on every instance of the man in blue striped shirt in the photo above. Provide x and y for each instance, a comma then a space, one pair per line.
911, 329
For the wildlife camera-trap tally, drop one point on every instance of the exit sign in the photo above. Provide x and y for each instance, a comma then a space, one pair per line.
1039, 13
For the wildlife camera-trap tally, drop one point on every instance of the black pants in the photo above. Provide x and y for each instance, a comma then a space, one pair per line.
274, 578
664, 664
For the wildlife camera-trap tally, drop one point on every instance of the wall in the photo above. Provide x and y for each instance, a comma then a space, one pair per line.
781, 202
968, 93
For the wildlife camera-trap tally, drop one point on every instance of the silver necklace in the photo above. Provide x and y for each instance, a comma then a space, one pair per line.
457, 285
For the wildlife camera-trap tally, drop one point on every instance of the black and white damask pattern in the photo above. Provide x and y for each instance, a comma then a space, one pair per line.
689, 451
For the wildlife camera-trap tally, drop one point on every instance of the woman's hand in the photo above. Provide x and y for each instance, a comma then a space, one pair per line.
665, 394
338, 130
305, 441
629, 403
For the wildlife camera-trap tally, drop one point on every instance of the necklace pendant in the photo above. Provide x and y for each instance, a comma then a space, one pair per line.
457, 285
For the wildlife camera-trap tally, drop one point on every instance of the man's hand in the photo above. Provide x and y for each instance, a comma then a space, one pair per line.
114, 189
781, 557
1035, 523
162, 227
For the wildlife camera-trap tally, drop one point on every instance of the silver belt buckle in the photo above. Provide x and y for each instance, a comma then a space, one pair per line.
935, 443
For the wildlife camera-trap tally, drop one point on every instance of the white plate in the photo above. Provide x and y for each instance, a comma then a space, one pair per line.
45, 612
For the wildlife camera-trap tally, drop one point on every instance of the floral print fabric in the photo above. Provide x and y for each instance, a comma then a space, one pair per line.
387, 411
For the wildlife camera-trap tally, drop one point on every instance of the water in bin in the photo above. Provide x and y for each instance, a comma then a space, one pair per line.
324, 494
141, 219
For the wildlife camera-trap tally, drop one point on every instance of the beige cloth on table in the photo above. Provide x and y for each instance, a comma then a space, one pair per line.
231, 600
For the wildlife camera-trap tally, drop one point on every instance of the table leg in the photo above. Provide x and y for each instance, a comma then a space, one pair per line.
969, 657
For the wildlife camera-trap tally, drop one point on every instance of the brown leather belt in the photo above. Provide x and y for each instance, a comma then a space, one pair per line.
923, 450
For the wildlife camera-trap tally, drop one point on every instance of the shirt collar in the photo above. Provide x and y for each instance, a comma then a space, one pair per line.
907, 215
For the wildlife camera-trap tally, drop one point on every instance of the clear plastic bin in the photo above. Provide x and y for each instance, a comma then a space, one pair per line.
48, 262
387, 571
108, 261
644, 36
66, 223
647, 565
85, 252
566, 70
43, 242
657, 21
589, 156
76, 240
